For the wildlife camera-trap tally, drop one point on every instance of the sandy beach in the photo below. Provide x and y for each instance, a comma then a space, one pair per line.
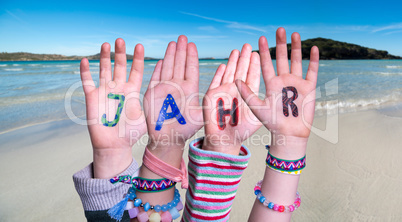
356, 179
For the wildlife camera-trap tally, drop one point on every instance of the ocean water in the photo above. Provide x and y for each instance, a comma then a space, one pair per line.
35, 92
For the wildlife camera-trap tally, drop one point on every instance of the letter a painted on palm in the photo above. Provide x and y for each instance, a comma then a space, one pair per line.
164, 115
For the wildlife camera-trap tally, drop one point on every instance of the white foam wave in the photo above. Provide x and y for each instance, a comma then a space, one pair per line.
210, 64
389, 73
353, 105
393, 67
76, 72
65, 65
14, 69
3, 65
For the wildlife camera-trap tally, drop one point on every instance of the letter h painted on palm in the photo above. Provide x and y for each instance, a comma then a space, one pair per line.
221, 113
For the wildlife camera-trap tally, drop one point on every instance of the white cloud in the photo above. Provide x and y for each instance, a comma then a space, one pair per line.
389, 27
208, 29
231, 24
249, 33
16, 17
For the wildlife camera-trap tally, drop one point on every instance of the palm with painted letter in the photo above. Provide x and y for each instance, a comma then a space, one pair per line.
228, 120
171, 102
289, 104
115, 118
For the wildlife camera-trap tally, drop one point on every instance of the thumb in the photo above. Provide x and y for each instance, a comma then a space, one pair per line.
256, 105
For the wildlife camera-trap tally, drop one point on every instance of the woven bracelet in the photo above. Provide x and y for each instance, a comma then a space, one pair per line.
285, 166
145, 185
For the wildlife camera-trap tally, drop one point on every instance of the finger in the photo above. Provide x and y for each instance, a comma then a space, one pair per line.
216, 81
120, 61
231, 67
296, 56
156, 75
105, 72
253, 75
180, 57
137, 68
268, 70
192, 66
282, 62
168, 62
243, 63
313, 66
249, 97
86, 78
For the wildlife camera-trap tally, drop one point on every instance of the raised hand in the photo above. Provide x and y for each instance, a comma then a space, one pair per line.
228, 120
171, 102
288, 108
114, 115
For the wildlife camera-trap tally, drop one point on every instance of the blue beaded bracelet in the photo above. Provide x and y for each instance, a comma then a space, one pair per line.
169, 210
138, 202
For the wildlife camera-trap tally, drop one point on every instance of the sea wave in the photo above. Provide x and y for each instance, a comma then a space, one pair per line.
393, 67
354, 105
389, 73
14, 69
3, 65
210, 64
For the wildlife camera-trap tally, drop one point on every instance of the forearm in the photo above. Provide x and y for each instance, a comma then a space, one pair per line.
150, 172
100, 194
213, 178
279, 188
110, 162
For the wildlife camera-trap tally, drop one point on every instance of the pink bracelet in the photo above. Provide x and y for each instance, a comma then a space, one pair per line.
165, 170
271, 205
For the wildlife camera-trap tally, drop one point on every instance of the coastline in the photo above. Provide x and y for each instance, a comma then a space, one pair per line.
355, 179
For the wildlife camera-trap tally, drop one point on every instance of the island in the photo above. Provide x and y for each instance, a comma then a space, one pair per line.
332, 50
329, 50
26, 56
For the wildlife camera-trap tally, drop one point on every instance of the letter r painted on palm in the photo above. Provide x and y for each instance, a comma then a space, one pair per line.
288, 101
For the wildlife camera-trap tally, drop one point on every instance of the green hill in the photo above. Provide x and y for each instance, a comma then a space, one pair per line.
331, 49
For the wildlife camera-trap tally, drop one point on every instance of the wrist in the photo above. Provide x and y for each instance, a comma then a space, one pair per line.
220, 145
170, 153
288, 147
110, 162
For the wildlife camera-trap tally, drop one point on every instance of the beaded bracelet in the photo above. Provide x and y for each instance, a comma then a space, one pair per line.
271, 205
169, 211
285, 166
145, 185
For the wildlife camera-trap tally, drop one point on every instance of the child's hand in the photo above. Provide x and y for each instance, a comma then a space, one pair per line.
288, 108
171, 102
228, 120
115, 123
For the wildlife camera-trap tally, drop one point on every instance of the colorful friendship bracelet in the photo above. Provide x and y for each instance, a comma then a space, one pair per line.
165, 213
271, 205
165, 170
145, 185
285, 166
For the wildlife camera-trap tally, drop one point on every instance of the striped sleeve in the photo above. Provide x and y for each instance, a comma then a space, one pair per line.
213, 181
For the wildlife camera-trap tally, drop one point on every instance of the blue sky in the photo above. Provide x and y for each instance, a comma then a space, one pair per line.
217, 27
